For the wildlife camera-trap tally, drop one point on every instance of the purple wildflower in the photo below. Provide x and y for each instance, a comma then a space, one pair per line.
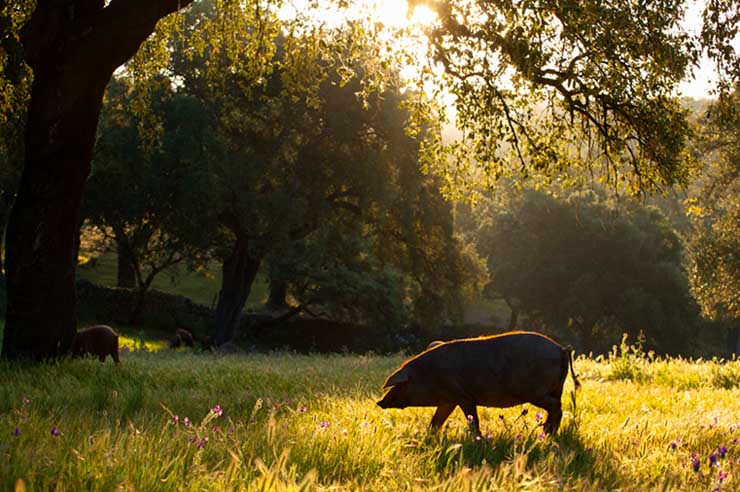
722, 476
324, 424
55, 431
538, 417
695, 463
193, 439
17, 432
176, 419
722, 451
186, 421
541, 436
202, 442
517, 437
477, 439
712, 459
216, 429
735, 441
217, 410
470, 419
302, 409
674, 445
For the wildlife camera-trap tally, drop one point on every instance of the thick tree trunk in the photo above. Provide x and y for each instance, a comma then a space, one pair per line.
42, 229
73, 47
239, 272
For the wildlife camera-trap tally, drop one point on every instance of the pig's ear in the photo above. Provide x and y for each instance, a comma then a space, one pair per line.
398, 377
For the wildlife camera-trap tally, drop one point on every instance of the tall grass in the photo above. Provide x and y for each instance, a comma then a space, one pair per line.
294, 422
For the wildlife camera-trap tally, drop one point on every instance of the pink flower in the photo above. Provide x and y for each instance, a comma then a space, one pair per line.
26, 400
324, 424
217, 410
176, 419
186, 421
54, 432
302, 409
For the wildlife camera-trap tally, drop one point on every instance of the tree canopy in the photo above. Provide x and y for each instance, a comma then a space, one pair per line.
583, 268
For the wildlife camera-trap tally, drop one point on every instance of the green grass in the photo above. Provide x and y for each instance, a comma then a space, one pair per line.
201, 286
310, 423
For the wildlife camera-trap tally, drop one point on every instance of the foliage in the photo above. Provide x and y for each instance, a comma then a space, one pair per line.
311, 168
311, 422
543, 87
582, 267
149, 200
715, 212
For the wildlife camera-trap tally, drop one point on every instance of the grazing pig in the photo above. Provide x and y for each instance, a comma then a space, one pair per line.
493, 371
98, 340
182, 337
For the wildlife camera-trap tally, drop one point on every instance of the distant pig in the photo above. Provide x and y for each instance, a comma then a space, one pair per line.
98, 340
182, 337
493, 371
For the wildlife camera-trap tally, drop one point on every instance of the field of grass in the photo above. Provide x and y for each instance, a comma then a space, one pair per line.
310, 423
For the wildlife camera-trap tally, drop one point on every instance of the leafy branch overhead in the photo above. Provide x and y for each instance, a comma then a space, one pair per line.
551, 85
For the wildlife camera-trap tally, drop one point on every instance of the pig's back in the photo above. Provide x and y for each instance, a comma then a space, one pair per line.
500, 371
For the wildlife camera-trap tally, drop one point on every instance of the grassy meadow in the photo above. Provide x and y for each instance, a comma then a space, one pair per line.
167, 421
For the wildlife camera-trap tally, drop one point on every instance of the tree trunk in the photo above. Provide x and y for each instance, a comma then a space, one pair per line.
514, 318
73, 47
733, 341
42, 229
4, 207
125, 272
239, 272
278, 293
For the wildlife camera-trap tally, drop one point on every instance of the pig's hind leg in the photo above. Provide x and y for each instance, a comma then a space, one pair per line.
440, 416
552, 404
471, 415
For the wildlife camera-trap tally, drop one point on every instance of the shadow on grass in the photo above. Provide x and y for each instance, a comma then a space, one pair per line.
520, 442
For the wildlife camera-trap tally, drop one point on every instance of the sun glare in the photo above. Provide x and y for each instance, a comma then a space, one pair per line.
391, 13
395, 13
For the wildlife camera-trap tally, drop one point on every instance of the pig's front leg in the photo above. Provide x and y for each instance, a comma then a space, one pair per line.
443, 411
